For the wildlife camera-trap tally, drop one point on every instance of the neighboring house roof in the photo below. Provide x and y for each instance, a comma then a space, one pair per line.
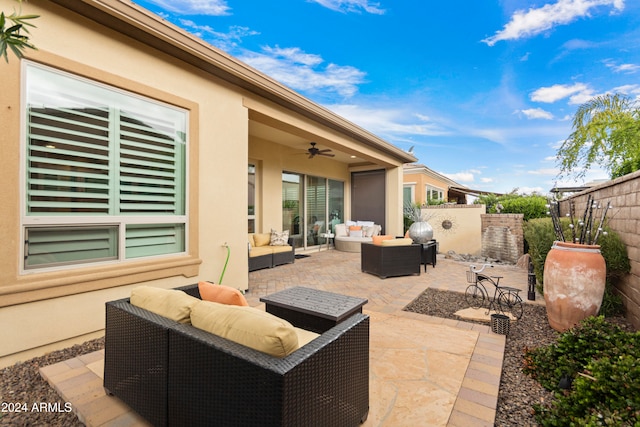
418, 168
453, 186
148, 28
578, 189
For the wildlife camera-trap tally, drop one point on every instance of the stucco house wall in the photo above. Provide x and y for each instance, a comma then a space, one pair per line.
456, 228
121, 45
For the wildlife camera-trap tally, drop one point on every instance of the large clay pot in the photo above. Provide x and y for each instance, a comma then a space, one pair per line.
574, 280
421, 232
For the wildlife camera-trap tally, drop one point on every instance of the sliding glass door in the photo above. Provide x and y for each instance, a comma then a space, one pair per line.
311, 206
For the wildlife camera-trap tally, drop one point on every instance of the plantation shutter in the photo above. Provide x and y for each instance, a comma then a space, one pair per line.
59, 246
97, 152
151, 162
68, 165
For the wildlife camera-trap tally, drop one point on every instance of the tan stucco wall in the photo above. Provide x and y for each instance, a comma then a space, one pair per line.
465, 235
421, 181
44, 311
218, 156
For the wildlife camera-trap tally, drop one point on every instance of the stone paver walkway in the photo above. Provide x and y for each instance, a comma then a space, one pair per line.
423, 370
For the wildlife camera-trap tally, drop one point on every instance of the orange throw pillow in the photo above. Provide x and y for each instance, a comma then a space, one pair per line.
377, 240
221, 294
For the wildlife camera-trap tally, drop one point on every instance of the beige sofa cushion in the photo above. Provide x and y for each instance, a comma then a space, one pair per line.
396, 242
262, 239
171, 303
247, 326
279, 249
260, 250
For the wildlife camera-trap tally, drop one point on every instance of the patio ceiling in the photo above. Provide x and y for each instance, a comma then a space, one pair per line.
300, 143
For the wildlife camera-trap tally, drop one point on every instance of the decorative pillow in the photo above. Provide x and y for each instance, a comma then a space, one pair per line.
355, 231
350, 223
340, 230
262, 239
247, 326
365, 223
279, 238
377, 240
397, 242
171, 303
371, 230
221, 294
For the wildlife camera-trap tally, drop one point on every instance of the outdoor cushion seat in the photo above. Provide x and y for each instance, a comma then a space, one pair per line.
264, 254
173, 373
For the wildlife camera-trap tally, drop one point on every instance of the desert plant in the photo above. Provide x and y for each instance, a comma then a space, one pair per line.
594, 371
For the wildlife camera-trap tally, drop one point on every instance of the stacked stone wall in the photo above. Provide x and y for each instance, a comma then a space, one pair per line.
502, 237
624, 218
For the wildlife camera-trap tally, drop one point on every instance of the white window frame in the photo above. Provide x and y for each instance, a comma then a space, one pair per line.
121, 221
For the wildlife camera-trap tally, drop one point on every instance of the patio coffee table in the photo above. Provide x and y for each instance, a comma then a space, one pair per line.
312, 309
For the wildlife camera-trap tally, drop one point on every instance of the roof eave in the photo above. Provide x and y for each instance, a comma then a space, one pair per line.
134, 21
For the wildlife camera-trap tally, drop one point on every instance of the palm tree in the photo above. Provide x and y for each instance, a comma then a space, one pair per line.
606, 131
13, 30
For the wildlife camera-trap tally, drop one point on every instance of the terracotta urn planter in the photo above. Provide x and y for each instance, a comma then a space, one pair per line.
574, 281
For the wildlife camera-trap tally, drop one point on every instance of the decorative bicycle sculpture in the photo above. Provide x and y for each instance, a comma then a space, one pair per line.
505, 299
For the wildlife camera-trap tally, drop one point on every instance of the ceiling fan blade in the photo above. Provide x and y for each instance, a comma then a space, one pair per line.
327, 154
326, 150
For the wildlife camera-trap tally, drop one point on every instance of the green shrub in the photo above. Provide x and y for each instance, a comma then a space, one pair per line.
540, 236
603, 362
531, 207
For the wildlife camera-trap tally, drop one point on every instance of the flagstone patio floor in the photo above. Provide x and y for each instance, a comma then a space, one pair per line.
423, 370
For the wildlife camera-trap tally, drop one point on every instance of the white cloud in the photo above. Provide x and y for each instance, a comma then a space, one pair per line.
555, 93
622, 68
301, 71
544, 171
464, 176
487, 180
538, 20
537, 113
194, 7
351, 6
225, 41
388, 123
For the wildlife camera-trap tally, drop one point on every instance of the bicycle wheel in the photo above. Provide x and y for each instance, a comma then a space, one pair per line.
510, 303
474, 295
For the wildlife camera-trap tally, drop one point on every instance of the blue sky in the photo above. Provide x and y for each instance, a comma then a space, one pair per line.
483, 90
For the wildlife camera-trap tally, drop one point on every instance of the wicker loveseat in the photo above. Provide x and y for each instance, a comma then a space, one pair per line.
264, 255
175, 374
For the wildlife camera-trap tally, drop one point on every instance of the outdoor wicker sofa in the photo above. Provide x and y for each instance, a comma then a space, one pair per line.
272, 256
175, 374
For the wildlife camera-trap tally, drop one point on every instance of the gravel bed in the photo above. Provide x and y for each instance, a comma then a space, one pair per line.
518, 392
22, 385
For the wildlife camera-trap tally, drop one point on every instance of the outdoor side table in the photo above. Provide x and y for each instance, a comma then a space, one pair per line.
327, 237
312, 309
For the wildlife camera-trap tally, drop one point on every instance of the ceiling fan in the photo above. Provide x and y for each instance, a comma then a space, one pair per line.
313, 151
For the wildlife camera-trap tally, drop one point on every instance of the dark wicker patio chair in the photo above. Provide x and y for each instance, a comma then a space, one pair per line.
175, 374
387, 261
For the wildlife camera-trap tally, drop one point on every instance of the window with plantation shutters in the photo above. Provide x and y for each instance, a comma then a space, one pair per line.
105, 173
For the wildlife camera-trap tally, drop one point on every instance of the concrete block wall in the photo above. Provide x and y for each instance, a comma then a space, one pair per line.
624, 218
502, 236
